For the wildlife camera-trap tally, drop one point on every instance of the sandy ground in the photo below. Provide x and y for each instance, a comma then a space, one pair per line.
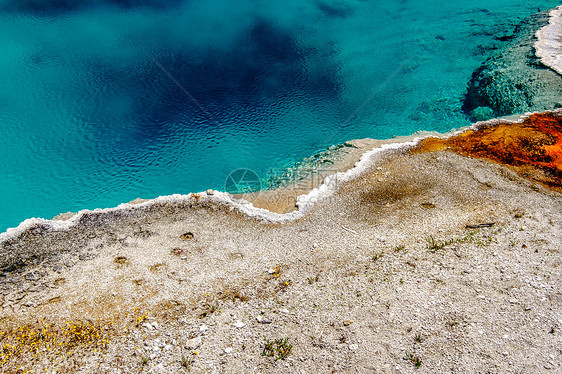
381, 277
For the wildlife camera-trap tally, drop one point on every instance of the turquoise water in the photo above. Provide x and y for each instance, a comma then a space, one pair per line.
105, 101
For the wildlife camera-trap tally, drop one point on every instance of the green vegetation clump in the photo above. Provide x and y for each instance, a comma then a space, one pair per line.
416, 360
435, 245
279, 349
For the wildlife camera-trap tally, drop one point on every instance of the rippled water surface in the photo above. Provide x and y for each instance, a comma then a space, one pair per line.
105, 101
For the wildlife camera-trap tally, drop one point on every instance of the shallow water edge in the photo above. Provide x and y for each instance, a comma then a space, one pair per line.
304, 202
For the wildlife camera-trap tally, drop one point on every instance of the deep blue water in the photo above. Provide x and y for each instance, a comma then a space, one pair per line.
105, 101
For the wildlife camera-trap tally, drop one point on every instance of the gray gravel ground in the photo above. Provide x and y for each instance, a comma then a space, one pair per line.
381, 276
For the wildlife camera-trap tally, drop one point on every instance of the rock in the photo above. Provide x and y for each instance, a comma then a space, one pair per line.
30, 304
228, 350
513, 300
285, 311
203, 328
261, 319
147, 326
158, 369
353, 347
548, 366
239, 324
33, 276
15, 296
347, 323
155, 325
57, 268
210, 192
271, 271
194, 343
505, 353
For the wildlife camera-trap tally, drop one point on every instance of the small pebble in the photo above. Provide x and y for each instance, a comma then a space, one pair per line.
353, 347
228, 350
261, 319
347, 323
203, 328
239, 324
193, 343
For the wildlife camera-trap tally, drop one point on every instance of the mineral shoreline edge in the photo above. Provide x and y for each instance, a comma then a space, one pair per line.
304, 202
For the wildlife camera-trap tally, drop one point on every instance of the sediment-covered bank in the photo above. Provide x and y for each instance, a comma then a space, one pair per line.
426, 259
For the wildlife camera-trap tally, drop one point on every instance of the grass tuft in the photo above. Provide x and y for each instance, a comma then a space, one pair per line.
416, 360
279, 349
436, 245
